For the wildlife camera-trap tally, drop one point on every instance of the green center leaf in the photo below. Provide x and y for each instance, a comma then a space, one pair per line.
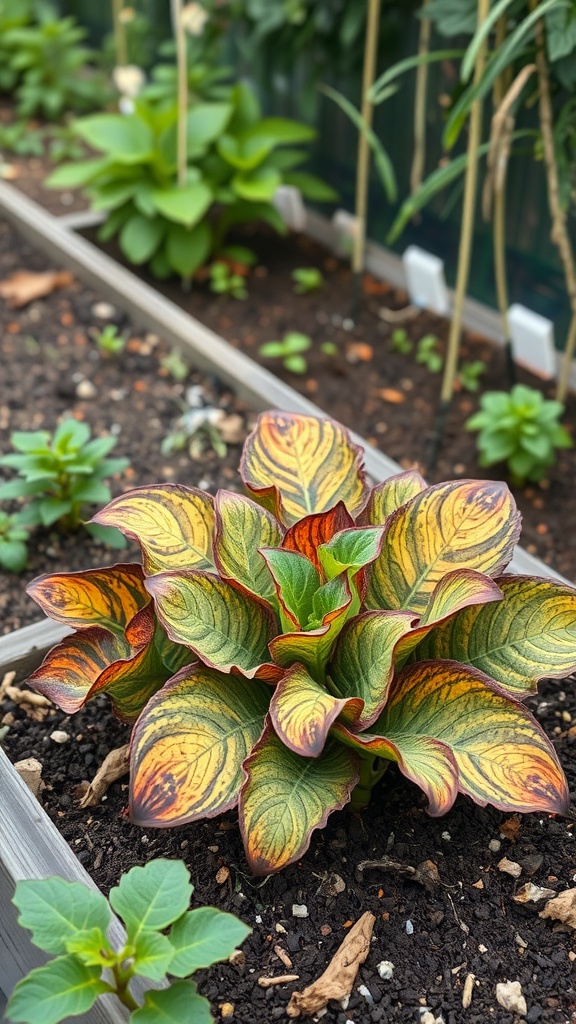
150, 898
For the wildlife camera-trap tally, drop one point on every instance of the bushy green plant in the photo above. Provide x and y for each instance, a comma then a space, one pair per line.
236, 161
72, 921
18, 137
13, 542
290, 350
276, 652
60, 474
13, 14
520, 428
307, 279
224, 281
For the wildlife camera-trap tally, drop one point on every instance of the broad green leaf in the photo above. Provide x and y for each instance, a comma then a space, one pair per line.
202, 937
302, 712
153, 954
363, 661
55, 911
189, 744
225, 627
296, 580
179, 1004
71, 669
242, 527
205, 123
63, 988
310, 186
81, 172
350, 549
242, 152
501, 753
285, 797
174, 525
187, 249
312, 647
94, 597
185, 204
150, 898
296, 465
470, 524
92, 947
306, 535
531, 633
258, 186
390, 495
282, 130
126, 138
140, 237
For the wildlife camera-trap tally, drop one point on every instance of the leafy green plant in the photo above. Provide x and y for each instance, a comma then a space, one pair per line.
175, 365
400, 341
307, 279
520, 428
224, 281
13, 540
72, 921
18, 137
469, 374
60, 474
428, 354
110, 341
236, 159
289, 350
13, 14
276, 652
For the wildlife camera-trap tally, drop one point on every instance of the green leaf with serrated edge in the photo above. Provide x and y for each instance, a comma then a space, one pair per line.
70, 670
528, 635
94, 597
363, 661
351, 549
302, 712
313, 646
296, 581
286, 796
225, 627
425, 761
295, 465
179, 1004
173, 524
390, 495
189, 744
469, 524
54, 910
242, 527
202, 937
91, 946
152, 897
501, 753
309, 533
153, 954
62, 988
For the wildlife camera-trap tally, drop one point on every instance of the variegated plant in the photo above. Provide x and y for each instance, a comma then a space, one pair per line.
276, 652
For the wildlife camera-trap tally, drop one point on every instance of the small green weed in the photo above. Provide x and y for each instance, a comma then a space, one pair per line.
289, 350
307, 279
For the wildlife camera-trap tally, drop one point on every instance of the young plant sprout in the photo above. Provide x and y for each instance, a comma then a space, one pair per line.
400, 341
428, 354
290, 350
469, 374
224, 281
307, 279
110, 341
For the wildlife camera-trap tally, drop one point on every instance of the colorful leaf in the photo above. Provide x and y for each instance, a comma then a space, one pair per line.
174, 525
70, 670
296, 581
225, 627
189, 744
94, 597
470, 524
309, 533
501, 753
363, 661
242, 527
390, 495
528, 635
302, 712
312, 646
130, 683
285, 797
297, 465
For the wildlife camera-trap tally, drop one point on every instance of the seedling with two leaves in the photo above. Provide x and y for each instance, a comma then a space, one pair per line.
307, 279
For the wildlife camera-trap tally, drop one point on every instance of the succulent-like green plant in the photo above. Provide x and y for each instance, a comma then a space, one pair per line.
290, 350
520, 428
13, 542
224, 281
307, 279
110, 341
72, 921
276, 652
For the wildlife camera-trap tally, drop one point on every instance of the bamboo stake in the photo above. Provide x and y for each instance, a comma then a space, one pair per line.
363, 159
419, 158
499, 217
120, 41
182, 65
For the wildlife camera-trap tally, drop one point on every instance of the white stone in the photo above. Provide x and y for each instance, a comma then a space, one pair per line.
86, 390
510, 998
409, 927
59, 736
299, 910
425, 280
103, 310
385, 969
366, 993
509, 867
494, 845
532, 339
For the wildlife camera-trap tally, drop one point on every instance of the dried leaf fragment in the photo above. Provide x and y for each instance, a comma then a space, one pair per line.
338, 979
530, 893
562, 908
25, 286
113, 767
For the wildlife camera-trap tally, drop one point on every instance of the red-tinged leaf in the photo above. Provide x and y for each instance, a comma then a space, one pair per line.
312, 647
309, 533
298, 465
242, 527
225, 627
130, 683
189, 744
302, 712
174, 525
502, 755
390, 495
94, 597
363, 661
70, 670
285, 797
425, 761
530, 634
470, 524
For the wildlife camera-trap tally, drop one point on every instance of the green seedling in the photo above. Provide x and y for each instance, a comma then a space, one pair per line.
307, 279
175, 365
469, 374
197, 430
289, 350
72, 921
13, 538
400, 341
223, 281
329, 348
110, 341
428, 354
19, 138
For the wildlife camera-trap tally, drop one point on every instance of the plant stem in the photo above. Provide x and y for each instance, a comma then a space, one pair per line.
182, 66
419, 156
121, 981
119, 34
363, 159
369, 776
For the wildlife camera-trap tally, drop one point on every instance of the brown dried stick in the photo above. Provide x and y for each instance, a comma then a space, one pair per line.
113, 767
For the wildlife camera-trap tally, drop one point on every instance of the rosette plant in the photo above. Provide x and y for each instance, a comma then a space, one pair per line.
276, 652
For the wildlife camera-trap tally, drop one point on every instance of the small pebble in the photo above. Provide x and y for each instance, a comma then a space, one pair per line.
365, 991
385, 969
299, 910
409, 927
446, 837
509, 867
509, 996
85, 390
104, 310
494, 845
59, 736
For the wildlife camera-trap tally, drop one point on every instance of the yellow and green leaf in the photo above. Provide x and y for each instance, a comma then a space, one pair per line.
390, 495
108, 597
131, 682
470, 524
189, 744
501, 753
286, 796
531, 633
298, 465
242, 527
312, 647
173, 524
227, 628
302, 712
71, 669
309, 533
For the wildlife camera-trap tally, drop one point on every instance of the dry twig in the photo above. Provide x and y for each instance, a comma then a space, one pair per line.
113, 767
338, 979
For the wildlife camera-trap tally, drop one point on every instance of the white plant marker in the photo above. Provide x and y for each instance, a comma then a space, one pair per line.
425, 280
532, 341
288, 202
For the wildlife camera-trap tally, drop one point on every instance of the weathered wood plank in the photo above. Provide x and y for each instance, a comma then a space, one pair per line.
22, 650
